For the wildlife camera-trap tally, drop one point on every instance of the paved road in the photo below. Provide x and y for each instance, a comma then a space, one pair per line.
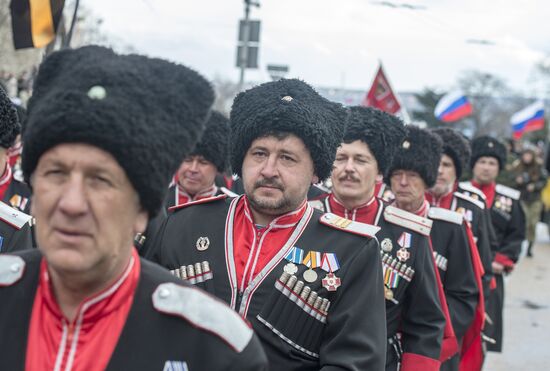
527, 313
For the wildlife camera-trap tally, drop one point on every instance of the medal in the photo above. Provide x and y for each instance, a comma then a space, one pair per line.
290, 268
312, 261
330, 264
331, 282
386, 245
310, 276
202, 243
403, 254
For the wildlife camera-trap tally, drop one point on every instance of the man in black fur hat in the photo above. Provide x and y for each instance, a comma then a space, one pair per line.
508, 218
414, 315
105, 133
447, 193
310, 283
13, 192
413, 170
15, 230
195, 178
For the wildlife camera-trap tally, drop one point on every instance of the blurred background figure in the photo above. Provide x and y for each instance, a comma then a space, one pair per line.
530, 178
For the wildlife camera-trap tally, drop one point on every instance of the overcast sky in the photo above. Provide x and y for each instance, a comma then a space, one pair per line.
339, 43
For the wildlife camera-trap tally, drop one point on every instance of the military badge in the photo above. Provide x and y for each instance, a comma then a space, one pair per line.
202, 243
403, 254
331, 282
386, 245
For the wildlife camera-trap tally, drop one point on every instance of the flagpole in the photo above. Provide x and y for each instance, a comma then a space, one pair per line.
67, 41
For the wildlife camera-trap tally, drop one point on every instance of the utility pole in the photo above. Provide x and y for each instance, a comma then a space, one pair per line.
243, 60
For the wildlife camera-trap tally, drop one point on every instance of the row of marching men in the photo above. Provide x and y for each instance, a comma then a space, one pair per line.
348, 280
444, 244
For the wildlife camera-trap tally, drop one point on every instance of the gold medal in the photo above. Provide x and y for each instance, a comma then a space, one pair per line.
290, 268
310, 276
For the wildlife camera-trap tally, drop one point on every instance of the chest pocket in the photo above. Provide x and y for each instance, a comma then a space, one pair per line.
296, 313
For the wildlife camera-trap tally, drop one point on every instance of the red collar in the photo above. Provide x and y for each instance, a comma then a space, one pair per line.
365, 213
183, 197
422, 211
443, 201
99, 304
488, 190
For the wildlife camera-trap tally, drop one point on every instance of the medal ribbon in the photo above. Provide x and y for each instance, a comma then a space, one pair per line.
312, 259
330, 262
295, 255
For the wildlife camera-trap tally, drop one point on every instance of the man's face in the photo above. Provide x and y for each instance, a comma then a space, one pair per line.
527, 157
485, 170
407, 186
354, 172
446, 176
277, 174
87, 211
196, 174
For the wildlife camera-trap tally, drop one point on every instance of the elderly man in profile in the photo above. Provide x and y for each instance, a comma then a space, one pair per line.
105, 133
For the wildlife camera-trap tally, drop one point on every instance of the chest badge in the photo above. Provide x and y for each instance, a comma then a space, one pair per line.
330, 264
203, 243
386, 245
331, 282
294, 256
403, 254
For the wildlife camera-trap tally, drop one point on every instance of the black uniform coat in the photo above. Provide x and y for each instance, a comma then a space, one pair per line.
18, 195
148, 339
454, 261
479, 219
351, 336
413, 307
15, 230
508, 221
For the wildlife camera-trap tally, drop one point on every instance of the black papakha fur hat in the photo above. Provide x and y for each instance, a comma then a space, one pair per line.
147, 113
9, 121
287, 105
419, 151
456, 147
487, 146
214, 143
381, 131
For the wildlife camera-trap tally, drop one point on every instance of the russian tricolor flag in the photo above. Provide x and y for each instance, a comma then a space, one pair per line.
530, 118
452, 107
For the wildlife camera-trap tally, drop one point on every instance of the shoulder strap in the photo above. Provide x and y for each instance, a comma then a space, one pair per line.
464, 197
507, 191
440, 213
12, 216
11, 269
343, 224
407, 220
203, 311
467, 186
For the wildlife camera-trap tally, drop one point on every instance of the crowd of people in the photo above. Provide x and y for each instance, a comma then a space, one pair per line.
297, 234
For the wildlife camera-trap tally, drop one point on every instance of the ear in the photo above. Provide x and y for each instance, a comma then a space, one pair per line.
140, 224
315, 179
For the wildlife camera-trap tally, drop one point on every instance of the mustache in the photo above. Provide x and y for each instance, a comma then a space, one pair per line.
268, 182
348, 177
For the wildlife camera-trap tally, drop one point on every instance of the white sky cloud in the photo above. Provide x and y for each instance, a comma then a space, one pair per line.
335, 43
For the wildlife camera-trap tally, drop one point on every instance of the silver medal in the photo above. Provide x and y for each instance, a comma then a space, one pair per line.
290, 268
310, 276
386, 245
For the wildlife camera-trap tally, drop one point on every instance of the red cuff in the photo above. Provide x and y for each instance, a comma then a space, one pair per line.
504, 260
415, 362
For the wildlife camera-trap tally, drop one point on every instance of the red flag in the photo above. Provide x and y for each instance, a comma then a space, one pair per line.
381, 95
